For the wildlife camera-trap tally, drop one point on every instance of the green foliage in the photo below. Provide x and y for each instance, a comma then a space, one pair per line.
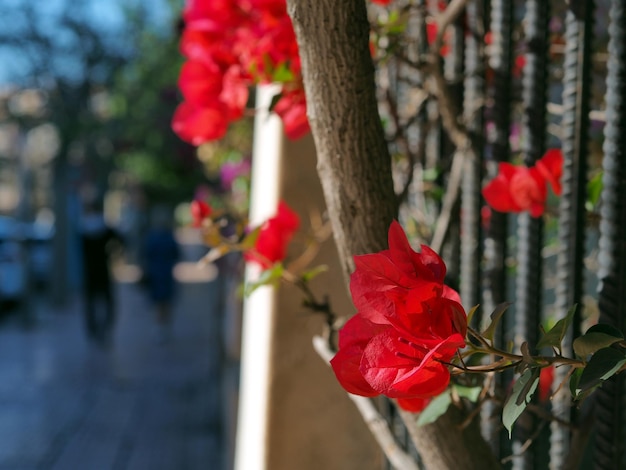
435, 409
268, 277
603, 365
440, 404
594, 189
597, 337
495, 317
314, 272
471, 393
521, 395
555, 335
144, 100
470, 314
283, 73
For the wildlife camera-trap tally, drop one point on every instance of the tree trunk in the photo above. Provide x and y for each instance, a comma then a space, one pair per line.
355, 170
353, 159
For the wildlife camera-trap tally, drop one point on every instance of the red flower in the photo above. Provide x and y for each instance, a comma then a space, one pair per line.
200, 210
291, 108
518, 65
408, 325
517, 188
546, 377
232, 45
197, 124
276, 233
382, 2
431, 35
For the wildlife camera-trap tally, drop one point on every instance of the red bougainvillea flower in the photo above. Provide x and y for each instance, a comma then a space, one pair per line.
291, 108
518, 188
197, 124
546, 377
232, 45
431, 35
408, 325
518, 65
274, 236
200, 210
381, 2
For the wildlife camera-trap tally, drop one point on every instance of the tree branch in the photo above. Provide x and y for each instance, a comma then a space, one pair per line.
375, 422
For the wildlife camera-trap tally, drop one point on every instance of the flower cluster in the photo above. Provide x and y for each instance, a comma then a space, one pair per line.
408, 325
231, 45
518, 188
274, 236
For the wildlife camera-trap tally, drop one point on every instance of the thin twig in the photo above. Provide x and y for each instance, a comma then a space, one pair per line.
457, 133
449, 201
526, 444
547, 416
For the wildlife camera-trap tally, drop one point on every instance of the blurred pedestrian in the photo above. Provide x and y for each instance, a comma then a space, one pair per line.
97, 240
161, 253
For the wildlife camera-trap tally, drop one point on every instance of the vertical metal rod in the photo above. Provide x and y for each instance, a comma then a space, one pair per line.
530, 230
494, 277
575, 125
609, 452
500, 61
473, 105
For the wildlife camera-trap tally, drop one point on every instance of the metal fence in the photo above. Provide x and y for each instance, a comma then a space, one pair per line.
530, 75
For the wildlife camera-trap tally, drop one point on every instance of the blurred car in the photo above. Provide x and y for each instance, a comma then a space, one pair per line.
13, 268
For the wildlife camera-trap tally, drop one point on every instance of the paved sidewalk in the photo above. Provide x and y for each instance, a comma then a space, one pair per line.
66, 404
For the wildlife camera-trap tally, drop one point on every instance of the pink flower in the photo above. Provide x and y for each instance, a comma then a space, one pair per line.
230, 171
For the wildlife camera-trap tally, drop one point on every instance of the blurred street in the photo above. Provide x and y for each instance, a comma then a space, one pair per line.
136, 404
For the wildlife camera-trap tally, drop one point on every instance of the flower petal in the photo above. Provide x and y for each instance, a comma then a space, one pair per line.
497, 191
414, 405
398, 370
551, 168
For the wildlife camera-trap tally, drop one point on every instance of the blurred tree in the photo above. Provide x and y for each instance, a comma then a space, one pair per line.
143, 100
109, 79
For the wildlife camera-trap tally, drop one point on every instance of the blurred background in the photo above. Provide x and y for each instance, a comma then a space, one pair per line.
87, 92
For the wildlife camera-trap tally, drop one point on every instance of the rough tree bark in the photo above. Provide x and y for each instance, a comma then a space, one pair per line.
355, 170
353, 159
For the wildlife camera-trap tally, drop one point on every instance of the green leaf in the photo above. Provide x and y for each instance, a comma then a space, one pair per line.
602, 365
606, 329
496, 315
283, 74
471, 393
267, 277
314, 272
597, 337
574, 381
555, 336
250, 239
435, 408
594, 189
471, 313
522, 392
